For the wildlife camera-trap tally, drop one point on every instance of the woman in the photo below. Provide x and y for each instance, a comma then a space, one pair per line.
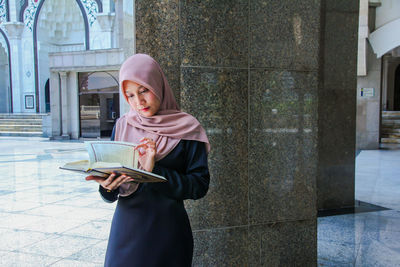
150, 226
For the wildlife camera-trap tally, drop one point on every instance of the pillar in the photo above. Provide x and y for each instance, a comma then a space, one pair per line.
64, 106
14, 32
251, 72
106, 22
55, 105
337, 104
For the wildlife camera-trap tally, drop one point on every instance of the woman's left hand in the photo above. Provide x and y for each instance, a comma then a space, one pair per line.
147, 152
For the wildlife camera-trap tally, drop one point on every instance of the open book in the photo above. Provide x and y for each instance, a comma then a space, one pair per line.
106, 157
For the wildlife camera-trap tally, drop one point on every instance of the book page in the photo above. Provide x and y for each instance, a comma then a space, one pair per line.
123, 153
82, 165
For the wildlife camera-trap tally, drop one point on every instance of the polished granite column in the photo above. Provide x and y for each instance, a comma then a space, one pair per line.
337, 104
157, 34
250, 71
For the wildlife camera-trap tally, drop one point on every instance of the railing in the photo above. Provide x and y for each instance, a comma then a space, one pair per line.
66, 48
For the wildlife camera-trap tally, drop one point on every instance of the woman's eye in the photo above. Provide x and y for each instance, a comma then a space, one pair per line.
144, 91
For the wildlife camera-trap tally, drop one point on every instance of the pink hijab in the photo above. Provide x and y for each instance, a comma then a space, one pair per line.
169, 125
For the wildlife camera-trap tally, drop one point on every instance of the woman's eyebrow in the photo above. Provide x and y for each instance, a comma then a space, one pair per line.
140, 87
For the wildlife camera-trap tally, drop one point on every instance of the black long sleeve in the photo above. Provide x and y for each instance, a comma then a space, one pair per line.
191, 181
186, 170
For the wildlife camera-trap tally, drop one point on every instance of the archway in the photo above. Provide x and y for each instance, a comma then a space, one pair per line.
5, 85
99, 102
59, 26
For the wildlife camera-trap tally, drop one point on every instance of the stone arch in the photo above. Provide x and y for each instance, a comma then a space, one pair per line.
35, 44
9, 98
385, 38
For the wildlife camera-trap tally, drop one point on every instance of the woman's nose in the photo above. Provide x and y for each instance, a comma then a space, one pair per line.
140, 99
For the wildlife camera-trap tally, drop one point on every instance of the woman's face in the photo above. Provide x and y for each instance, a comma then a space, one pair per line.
141, 99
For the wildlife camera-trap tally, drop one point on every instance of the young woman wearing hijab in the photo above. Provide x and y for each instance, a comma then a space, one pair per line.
150, 226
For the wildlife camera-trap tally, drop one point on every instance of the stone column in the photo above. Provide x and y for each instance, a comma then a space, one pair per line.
106, 6
73, 103
337, 104
55, 105
13, 10
106, 21
64, 106
251, 72
14, 32
124, 25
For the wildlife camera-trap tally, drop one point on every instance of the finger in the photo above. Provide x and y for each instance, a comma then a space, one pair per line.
97, 179
146, 139
141, 146
107, 182
125, 180
116, 181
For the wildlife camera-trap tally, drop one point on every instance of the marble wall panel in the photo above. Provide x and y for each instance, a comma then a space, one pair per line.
341, 5
284, 34
340, 49
218, 99
214, 33
283, 244
337, 105
282, 145
221, 247
157, 34
282, 170
336, 149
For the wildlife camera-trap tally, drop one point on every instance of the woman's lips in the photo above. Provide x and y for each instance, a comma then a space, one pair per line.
145, 109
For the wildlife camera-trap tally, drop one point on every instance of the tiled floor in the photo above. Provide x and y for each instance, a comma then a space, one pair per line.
51, 217
366, 238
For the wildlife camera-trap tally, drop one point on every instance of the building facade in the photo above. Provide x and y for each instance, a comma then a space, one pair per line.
61, 57
378, 80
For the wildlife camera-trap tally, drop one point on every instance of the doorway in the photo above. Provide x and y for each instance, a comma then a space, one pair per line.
396, 99
98, 102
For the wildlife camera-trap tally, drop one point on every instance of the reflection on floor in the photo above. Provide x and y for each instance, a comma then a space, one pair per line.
49, 217
53, 218
370, 234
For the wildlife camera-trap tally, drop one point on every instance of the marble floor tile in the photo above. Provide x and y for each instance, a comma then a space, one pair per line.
387, 220
342, 229
79, 201
18, 206
15, 239
94, 254
60, 246
53, 225
97, 228
324, 263
74, 263
49, 210
342, 253
17, 221
20, 259
382, 250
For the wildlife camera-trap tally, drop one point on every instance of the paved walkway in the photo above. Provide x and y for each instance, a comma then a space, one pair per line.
51, 217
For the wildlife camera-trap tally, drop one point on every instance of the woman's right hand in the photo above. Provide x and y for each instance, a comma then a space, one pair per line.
112, 182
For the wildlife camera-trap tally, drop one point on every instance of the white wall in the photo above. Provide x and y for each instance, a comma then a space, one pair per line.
387, 12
